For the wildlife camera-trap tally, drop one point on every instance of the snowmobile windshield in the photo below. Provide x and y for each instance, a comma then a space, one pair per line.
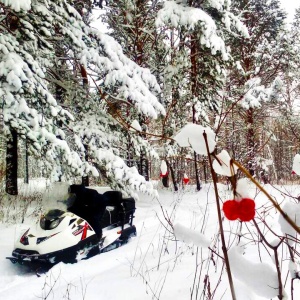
51, 219
56, 196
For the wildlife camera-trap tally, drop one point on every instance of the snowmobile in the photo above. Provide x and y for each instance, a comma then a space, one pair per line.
63, 236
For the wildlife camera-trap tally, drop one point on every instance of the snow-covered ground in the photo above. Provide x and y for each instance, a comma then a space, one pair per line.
154, 265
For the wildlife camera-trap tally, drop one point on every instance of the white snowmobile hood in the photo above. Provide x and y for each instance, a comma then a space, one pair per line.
69, 232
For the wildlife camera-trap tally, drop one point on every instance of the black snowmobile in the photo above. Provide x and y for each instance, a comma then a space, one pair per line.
94, 223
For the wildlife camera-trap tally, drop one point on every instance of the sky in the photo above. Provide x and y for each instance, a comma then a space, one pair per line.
290, 6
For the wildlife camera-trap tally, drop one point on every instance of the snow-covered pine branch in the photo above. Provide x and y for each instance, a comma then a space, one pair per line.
29, 105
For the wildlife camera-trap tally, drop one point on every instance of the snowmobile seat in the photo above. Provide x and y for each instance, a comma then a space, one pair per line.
89, 205
113, 198
129, 204
123, 212
114, 210
129, 209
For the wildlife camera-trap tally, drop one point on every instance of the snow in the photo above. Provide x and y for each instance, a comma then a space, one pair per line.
190, 236
18, 5
180, 15
261, 278
222, 164
246, 188
192, 135
30, 108
136, 125
296, 164
163, 167
178, 237
255, 93
293, 211
156, 263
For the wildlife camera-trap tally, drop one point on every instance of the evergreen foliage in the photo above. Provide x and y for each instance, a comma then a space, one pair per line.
84, 101
31, 34
254, 83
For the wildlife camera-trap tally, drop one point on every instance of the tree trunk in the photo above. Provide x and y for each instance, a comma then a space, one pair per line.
204, 171
172, 176
144, 165
26, 178
198, 183
194, 87
60, 92
12, 164
85, 179
129, 152
251, 142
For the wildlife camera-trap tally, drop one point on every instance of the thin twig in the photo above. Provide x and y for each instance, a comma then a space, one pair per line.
275, 204
220, 221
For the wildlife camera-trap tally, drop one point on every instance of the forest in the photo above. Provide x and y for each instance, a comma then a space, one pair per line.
77, 102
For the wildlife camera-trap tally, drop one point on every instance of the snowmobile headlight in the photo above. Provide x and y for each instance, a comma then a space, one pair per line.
54, 223
47, 224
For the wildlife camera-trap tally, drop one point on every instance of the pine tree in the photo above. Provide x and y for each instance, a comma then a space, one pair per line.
197, 62
286, 126
28, 53
133, 25
259, 61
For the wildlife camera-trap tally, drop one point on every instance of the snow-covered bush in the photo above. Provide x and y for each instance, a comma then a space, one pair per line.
241, 207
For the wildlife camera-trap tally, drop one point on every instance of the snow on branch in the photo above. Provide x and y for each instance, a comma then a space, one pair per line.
18, 5
293, 211
127, 177
191, 135
30, 106
177, 15
125, 78
222, 164
190, 236
261, 278
231, 22
256, 93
